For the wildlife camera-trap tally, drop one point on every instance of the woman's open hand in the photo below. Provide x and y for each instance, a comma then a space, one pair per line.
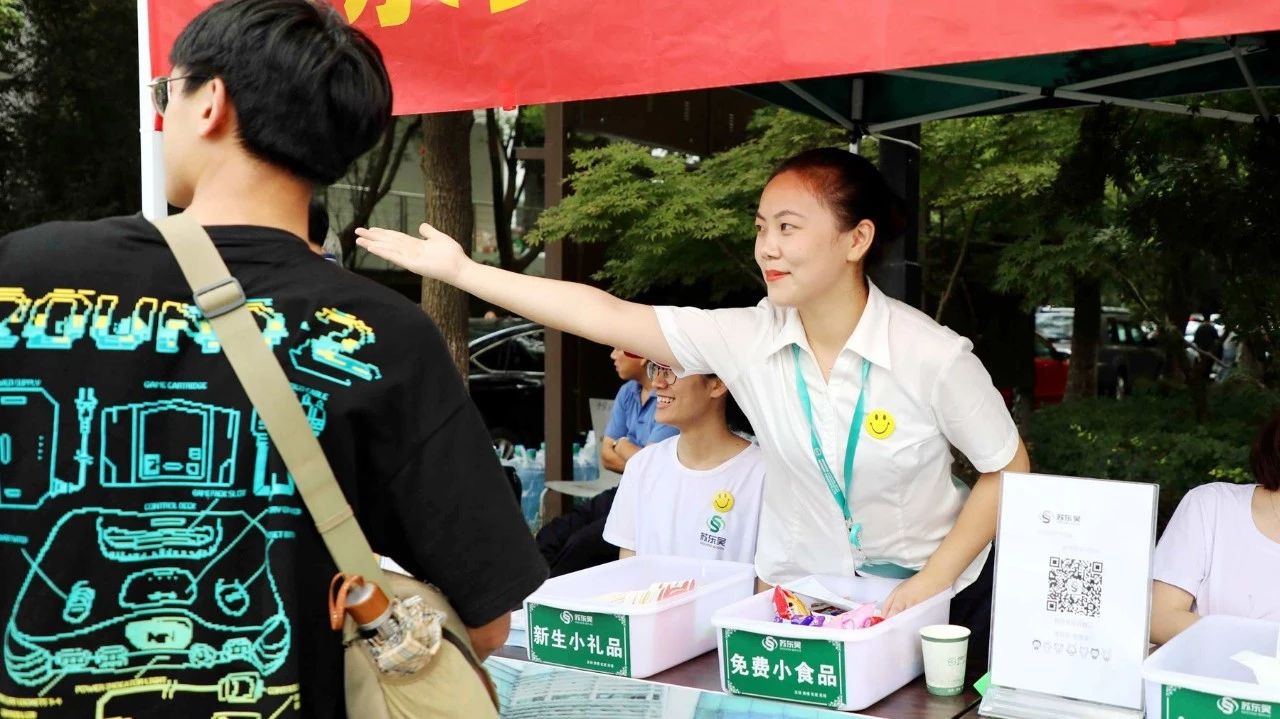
436, 256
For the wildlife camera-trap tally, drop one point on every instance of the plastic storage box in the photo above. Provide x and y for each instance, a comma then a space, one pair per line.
1194, 677
568, 625
841, 669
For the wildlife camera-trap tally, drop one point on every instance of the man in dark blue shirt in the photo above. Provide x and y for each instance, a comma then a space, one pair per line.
632, 426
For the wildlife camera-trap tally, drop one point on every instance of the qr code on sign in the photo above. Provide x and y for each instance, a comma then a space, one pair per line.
1075, 586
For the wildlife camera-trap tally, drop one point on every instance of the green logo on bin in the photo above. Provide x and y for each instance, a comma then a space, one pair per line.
592, 641
798, 670
1180, 703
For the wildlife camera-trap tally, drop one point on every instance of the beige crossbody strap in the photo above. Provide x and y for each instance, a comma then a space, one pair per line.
222, 301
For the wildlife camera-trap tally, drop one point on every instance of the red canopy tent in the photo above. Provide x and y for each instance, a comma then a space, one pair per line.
463, 54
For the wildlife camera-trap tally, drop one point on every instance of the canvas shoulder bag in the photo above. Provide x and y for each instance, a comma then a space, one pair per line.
424, 666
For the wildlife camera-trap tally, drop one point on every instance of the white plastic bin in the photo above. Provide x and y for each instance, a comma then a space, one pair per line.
568, 626
847, 669
1194, 677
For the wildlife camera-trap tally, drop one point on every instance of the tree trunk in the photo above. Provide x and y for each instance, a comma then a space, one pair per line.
446, 171
1086, 329
506, 191
497, 187
1081, 185
955, 271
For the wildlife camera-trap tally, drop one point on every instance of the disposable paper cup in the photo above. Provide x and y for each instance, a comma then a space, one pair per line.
946, 647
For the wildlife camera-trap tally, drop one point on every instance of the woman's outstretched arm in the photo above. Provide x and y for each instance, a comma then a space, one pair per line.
567, 306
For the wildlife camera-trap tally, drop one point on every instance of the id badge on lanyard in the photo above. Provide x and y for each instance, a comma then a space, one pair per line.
840, 493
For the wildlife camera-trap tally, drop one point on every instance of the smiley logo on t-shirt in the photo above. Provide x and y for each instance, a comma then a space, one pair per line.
722, 501
880, 424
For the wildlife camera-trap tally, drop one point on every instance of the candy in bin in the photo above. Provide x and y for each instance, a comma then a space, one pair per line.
788, 606
859, 618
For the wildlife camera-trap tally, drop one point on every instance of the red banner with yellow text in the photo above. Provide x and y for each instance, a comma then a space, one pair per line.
459, 54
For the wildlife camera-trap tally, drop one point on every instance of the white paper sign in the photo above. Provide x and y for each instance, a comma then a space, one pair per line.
1072, 587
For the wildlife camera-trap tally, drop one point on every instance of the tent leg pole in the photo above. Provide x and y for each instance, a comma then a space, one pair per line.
899, 273
557, 408
857, 91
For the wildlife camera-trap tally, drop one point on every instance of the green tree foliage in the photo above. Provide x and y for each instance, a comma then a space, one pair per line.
10, 18
981, 181
1152, 438
677, 219
68, 117
1204, 216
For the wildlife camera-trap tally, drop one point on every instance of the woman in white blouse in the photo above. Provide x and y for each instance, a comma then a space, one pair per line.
856, 398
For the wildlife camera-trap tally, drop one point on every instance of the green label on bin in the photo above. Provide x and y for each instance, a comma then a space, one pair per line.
798, 670
581, 640
1182, 703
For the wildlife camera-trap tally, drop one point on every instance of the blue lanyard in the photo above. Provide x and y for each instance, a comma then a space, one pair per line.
840, 494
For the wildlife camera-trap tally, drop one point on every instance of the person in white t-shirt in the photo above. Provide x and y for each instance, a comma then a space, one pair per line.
696, 494
1220, 553
857, 399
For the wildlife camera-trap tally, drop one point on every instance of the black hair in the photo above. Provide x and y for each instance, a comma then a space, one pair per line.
311, 92
317, 223
1264, 457
854, 190
734, 417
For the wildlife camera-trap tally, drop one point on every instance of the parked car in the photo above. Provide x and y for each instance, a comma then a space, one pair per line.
1050, 376
1051, 373
506, 378
1126, 352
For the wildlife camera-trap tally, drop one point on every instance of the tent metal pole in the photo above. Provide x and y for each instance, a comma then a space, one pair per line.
1166, 107
1248, 78
151, 147
954, 112
821, 106
1086, 85
1066, 94
857, 91
1156, 70
997, 85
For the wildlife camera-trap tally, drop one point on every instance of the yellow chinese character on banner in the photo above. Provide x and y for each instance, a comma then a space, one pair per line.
495, 6
390, 12
396, 12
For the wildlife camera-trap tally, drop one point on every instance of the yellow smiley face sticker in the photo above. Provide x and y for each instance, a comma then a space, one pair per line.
722, 501
880, 424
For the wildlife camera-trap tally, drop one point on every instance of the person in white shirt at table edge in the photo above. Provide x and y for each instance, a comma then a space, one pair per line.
696, 494
855, 398
1220, 553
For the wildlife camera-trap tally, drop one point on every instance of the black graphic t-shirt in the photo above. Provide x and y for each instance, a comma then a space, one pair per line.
155, 557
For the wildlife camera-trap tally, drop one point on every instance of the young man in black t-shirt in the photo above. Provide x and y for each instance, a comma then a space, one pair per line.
157, 559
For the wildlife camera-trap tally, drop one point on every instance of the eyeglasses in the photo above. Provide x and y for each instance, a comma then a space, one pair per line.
657, 372
160, 90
